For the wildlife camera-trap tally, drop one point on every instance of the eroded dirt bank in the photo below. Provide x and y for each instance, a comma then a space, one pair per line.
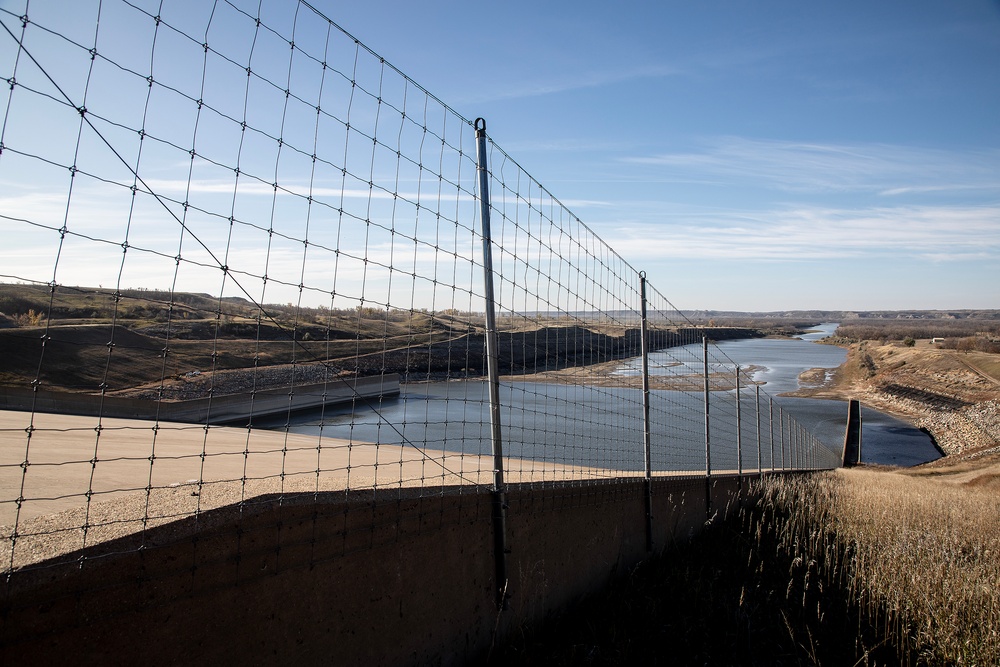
954, 395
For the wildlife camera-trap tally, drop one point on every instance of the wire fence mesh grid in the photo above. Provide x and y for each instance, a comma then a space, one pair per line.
242, 259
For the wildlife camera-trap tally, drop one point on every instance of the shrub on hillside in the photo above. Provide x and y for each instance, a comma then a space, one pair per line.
28, 319
917, 329
972, 344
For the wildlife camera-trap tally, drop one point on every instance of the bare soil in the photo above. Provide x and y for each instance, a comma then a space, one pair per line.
954, 395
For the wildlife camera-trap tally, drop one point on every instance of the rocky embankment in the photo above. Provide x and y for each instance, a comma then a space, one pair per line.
953, 395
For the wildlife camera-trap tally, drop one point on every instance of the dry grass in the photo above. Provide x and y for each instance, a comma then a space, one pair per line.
921, 553
851, 567
913, 558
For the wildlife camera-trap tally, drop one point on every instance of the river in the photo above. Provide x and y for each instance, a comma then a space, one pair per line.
885, 439
602, 426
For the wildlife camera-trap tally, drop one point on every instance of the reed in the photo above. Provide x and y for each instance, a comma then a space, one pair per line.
917, 557
847, 567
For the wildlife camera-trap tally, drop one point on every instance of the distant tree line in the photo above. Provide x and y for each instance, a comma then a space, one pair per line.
787, 326
969, 333
972, 344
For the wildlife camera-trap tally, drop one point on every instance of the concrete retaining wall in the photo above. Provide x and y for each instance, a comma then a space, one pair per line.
374, 579
216, 410
852, 435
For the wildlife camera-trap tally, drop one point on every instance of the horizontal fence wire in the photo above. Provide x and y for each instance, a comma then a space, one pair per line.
242, 262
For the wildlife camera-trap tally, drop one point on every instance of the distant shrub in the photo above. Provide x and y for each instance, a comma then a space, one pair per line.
972, 344
28, 319
909, 341
873, 329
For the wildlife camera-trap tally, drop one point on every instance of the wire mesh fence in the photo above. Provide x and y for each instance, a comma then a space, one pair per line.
244, 257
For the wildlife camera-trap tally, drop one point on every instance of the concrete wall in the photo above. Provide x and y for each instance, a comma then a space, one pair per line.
216, 410
339, 579
852, 435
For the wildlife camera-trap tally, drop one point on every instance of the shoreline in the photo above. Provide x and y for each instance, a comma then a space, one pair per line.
950, 396
604, 375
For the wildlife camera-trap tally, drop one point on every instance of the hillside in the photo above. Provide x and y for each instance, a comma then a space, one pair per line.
148, 344
953, 395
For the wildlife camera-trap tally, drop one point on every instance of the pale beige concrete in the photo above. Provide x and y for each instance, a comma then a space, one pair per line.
147, 474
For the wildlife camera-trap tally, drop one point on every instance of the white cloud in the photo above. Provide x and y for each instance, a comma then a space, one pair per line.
932, 233
248, 188
827, 167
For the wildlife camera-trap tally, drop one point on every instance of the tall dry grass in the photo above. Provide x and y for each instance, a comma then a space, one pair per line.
919, 559
850, 567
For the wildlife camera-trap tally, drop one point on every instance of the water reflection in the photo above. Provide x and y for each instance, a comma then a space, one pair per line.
603, 426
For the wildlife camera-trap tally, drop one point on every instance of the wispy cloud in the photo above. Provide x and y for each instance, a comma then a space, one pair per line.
302, 189
928, 233
883, 169
256, 188
565, 145
926, 189
561, 82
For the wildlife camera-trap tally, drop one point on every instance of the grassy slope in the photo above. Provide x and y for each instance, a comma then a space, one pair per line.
852, 567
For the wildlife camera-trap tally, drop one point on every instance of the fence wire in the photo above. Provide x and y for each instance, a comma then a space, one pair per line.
243, 260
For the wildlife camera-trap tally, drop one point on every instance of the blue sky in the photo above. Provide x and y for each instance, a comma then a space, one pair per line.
747, 156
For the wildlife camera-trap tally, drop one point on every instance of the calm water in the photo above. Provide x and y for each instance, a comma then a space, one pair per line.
599, 426
885, 439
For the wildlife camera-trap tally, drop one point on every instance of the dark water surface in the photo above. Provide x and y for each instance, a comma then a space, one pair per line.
885, 439
602, 427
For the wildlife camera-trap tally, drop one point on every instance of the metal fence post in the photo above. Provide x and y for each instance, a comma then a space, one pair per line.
799, 444
647, 438
797, 455
781, 434
800, 456
499, 491
790, 458
793, 443
800, 453
760, 469
770, 426
708, 437
739, 430
797, 448
803, 448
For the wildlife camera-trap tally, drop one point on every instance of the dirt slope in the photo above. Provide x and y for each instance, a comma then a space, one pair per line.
954, 395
